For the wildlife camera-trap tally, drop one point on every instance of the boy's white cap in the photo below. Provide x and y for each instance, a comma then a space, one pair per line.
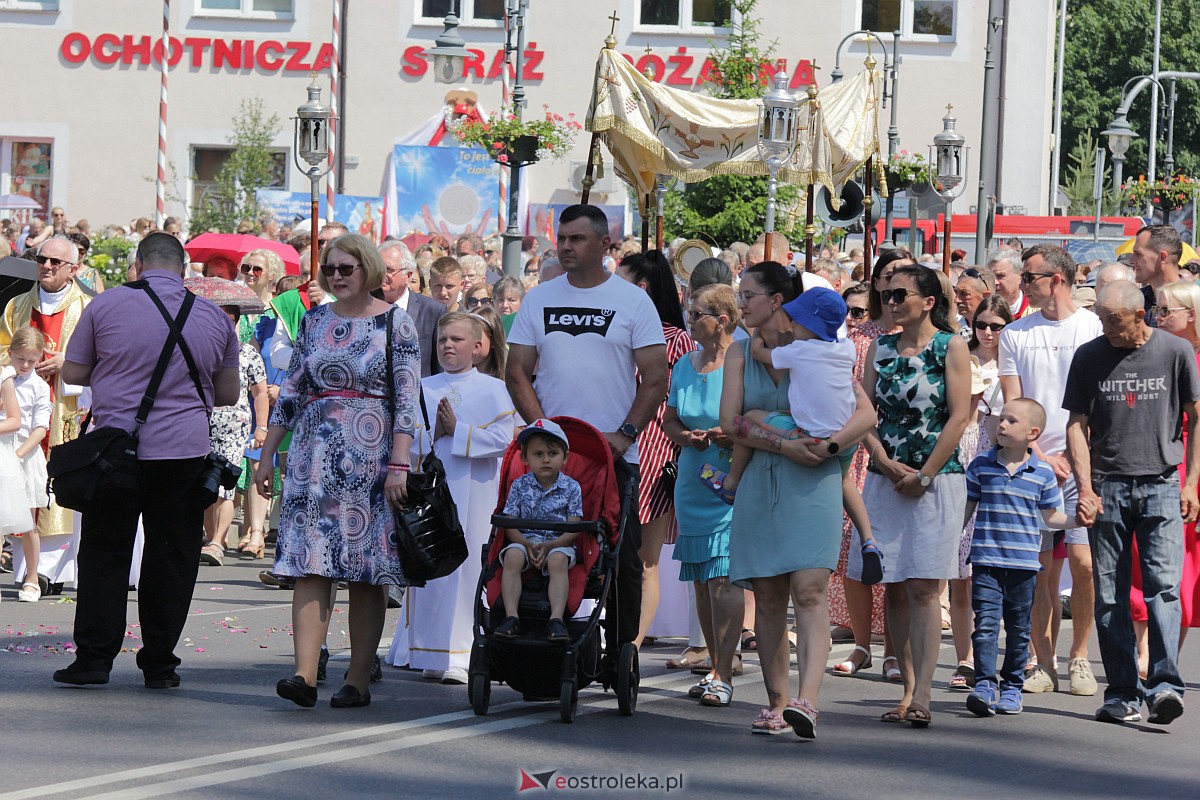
547, 427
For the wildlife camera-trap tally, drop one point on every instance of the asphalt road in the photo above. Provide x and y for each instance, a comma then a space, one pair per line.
225, 734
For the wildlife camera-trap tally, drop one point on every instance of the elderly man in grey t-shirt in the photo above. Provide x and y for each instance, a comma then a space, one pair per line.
1127, 394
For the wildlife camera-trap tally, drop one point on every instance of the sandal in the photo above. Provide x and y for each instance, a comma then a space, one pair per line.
255, 545
963, 678
849, 667
769, 722
688, 659
244, 541
697, 691
918, 716
212, 554
714, 480
719, 693
872, 564
892, 674
749, 642
897, 714
802, 716
705, 666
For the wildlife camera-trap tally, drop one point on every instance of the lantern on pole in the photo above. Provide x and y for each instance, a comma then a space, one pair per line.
778, 120
948, 162
312, 147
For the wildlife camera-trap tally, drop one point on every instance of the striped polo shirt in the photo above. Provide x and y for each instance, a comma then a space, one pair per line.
1008, 518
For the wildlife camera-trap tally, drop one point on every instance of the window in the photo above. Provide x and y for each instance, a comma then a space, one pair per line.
28, 5
931, 20
207, 163
468, 11
704, 15
27, 169
262, 9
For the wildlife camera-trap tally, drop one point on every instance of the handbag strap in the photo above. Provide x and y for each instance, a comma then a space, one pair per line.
175, 327
391, 377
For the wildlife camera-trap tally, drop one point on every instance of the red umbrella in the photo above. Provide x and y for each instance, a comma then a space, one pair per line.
226, 293
415, 240
235, 246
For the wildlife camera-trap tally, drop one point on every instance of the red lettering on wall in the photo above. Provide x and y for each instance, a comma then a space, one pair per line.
414, 63
266, 57
226, 53
657, 64
681, 62
533, 57
102, 49
497, 67
324, 58
197, 45
295, 62
804, 74
706, 72
141, 50
175, 54
75, 48
473, 64
248, 54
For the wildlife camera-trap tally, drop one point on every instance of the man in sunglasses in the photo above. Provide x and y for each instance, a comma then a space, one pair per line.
974, 286
1035, 359
53, 306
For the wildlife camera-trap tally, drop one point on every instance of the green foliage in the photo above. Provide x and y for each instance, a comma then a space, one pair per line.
110, 257
1079, 180
1111, 41
250, 167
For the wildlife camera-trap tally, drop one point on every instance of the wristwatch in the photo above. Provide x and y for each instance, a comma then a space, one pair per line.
924, 479
628, 430
832, 447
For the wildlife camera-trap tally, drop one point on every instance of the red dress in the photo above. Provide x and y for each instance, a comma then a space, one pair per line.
1189, 583
655, 449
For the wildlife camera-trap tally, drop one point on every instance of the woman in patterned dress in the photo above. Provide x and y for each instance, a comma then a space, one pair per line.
920, 382
656, 502
348, 461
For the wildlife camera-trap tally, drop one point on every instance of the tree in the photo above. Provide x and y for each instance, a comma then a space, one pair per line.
1079, 180
251, 166
731, 208
1110, 41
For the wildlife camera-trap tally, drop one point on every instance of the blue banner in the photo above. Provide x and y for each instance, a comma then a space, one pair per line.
447, 190
360, 213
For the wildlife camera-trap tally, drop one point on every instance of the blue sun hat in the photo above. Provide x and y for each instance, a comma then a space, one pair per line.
821, 310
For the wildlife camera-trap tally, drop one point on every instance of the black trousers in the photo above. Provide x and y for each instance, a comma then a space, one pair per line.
629, 573
173, 524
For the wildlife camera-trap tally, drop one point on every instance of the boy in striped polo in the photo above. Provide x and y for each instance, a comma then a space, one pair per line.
1013, 494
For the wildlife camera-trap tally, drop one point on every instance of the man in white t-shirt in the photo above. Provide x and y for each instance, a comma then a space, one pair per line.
597, 344
1035, 358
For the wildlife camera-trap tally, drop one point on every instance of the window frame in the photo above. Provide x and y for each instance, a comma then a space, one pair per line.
907, 15
688, 28
30, 6
6, 171
245, 12
466, 16
194, 184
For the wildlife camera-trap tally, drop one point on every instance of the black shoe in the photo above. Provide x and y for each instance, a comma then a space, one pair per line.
1165, 707
278, 581
376, 670
322, 664
296, 690
349, 697
558, 631
395, 597
508, 629
77, 675
169, 680
872, 564
55, 589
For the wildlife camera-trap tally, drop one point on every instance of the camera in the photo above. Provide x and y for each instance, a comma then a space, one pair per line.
219, 473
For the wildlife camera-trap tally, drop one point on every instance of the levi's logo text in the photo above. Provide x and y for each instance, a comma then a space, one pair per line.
577, 321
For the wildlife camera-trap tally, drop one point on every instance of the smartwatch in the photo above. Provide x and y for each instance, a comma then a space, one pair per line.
924, 480
832, 448
628, 430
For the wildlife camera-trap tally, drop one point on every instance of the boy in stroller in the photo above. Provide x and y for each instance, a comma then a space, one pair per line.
543, 493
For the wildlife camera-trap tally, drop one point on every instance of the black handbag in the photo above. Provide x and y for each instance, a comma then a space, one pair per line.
670, 474
98, 471
427, 534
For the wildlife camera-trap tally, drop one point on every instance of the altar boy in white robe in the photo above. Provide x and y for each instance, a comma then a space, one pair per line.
473, 421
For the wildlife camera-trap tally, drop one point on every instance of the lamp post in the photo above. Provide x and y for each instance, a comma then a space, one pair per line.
1120, 136
948, 155
891, 71
515, 11
449, 51
312, 146
778, 119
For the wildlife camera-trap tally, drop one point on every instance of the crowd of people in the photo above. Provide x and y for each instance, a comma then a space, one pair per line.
885, 449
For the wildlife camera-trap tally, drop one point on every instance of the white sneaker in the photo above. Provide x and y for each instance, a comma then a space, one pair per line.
1083, 682
30, 593
455, 675
431, 674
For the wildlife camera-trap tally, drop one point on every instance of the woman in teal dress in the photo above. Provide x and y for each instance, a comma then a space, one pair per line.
692, 421
787, 517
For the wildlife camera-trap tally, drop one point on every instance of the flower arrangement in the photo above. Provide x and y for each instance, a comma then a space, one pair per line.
1174, 192
904, 169
498, 134
109, 256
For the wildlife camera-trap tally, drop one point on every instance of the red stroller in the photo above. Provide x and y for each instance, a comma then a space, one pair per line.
538, 668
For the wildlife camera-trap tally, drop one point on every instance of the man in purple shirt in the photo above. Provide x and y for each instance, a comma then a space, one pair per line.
114, 350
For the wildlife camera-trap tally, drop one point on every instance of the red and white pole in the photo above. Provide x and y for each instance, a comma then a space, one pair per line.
160, 207
334, 79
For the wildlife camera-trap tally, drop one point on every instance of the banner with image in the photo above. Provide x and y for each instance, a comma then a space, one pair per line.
447, 190
360, 213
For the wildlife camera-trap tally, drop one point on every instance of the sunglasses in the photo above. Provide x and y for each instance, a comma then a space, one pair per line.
856, 313
994, 327
1162, 312
896, 296
475, 302
248, 268
345, 270
695, 315
1030, 277
52, 261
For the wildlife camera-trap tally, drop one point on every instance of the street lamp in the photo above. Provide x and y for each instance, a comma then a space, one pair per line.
778, 120
312, 146
948, 156
449, 51
1120, 136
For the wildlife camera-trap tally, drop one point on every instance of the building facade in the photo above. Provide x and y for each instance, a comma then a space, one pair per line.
83, 132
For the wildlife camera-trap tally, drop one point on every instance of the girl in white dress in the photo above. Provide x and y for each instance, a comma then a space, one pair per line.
473, 421
33, 397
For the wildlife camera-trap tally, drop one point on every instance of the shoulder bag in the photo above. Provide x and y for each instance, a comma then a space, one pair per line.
98, 471
428, 535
